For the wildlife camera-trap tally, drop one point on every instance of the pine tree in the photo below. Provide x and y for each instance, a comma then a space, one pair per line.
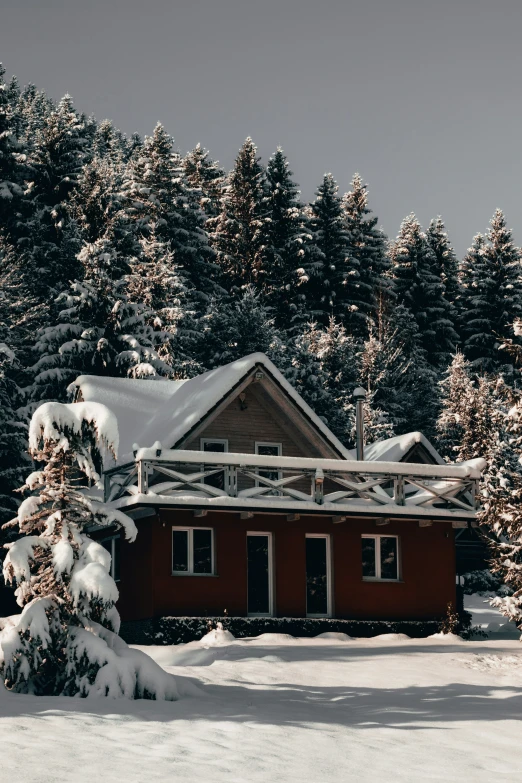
60, 151
241, 229
396, 374
206, 176
368, 246
156, 195
11, 170
419, 287
235, 328
457, 397
289, 247
446, 264
13, 460
64, 642
332, 288
100, 331
491, 297
501, 497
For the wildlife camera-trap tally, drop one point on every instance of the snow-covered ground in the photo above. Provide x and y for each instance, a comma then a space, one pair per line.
280, 709
489, 619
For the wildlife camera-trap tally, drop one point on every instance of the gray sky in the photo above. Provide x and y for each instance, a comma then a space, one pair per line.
422, 97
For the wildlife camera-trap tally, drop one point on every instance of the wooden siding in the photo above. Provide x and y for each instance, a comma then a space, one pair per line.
258, 422
147, 587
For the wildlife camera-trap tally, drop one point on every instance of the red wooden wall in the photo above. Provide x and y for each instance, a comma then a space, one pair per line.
148, 589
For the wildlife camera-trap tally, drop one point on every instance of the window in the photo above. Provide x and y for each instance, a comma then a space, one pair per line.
112, 545
215, 445
318, 582
380, 557
192, 550
269, 450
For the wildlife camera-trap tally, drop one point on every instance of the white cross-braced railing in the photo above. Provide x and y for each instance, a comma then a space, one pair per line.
158, 473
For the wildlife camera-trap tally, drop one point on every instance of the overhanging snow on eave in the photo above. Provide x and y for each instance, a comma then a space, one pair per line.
354, 510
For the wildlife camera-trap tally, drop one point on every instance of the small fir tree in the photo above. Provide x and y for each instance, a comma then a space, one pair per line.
64, 642
458, 395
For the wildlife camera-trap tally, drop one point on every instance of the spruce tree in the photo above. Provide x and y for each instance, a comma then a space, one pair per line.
65, 640
396, 374
491, 297
240, 237
100, 330
206, 176
457, 398
234, 328
420, 289
332, 287
11, 167
289, 247
368, 246
157, 195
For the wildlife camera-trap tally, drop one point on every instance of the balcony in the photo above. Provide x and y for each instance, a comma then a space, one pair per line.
248, 483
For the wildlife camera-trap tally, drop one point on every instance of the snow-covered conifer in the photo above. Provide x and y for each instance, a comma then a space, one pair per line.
491, 297
234, 328
457, 396
156, 195
65, 640
289, 250
332, 288
100, 330
240, 236
420, 288
206, 176
368, 246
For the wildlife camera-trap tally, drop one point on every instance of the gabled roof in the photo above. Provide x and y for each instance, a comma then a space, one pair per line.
168, 411
397, 449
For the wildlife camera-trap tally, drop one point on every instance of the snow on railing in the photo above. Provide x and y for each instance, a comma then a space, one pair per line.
159, 475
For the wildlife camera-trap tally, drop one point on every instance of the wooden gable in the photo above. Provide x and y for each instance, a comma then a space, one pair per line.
266, 414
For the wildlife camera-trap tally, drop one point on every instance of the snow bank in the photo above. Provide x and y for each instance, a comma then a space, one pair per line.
446, 637
217, 637
334, 636
390, 637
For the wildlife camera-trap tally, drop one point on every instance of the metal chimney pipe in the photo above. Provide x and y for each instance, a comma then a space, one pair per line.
359, 396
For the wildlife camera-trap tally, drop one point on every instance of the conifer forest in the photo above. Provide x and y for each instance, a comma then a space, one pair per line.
122, 256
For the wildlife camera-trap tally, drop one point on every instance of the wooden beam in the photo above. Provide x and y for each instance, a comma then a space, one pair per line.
246, 514
425, 522
459, 523
381, 522
200, 512
336, 520
293, 517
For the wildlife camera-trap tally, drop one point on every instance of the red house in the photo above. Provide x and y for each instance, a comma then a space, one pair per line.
246, 501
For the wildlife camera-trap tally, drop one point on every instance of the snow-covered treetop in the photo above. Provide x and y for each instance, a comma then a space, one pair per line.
53, 421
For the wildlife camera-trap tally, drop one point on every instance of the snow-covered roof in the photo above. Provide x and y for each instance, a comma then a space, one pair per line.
395, 449
167, 411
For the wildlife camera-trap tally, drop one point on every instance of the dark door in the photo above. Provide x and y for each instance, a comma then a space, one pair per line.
259, 574
317, 586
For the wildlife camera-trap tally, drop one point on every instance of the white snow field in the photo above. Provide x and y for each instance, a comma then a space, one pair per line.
275, 708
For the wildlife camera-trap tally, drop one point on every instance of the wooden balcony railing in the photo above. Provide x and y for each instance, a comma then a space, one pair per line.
162, 477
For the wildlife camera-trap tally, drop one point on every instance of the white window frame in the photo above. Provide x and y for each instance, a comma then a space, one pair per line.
270, 573
190, 542
204, 441
112, 539
329, 583
377, 537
